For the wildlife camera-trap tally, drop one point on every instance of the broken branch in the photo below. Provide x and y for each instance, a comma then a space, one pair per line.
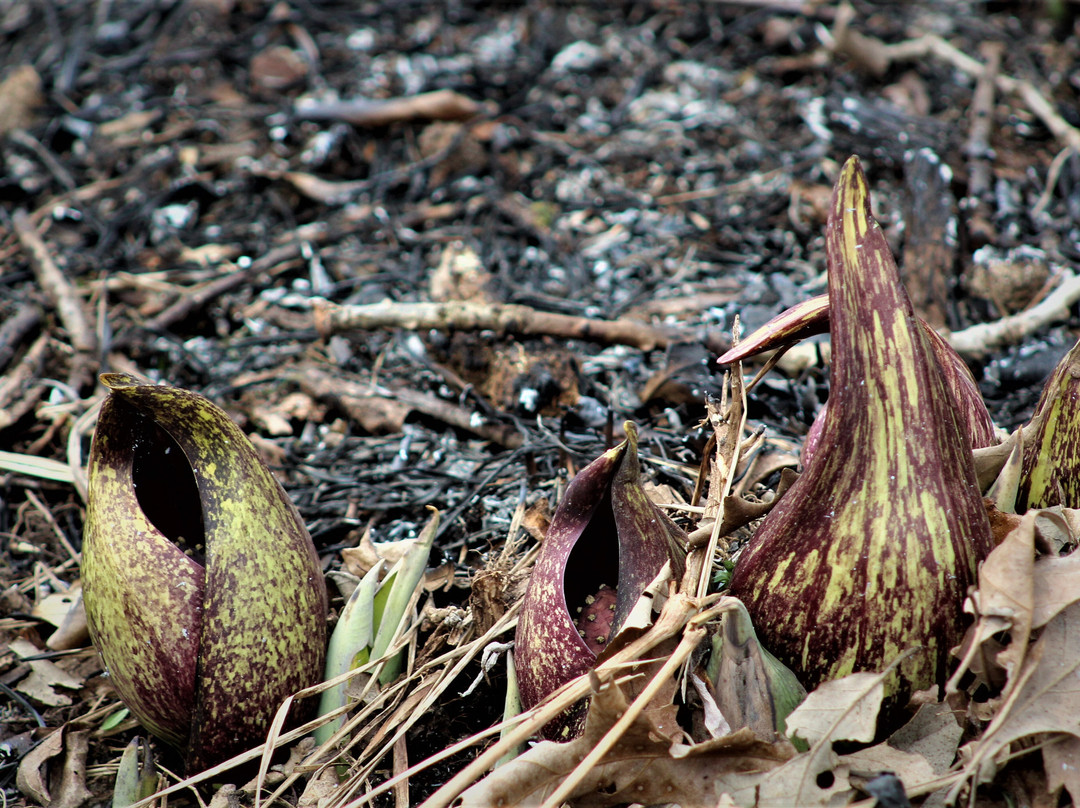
978, 341
501, 318
55, 284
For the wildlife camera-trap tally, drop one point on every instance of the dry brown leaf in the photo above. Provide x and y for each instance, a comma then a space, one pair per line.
990, 460
910, 767
934, 734
460, 275
1056, 582
277, 68
376, 414
1059, 528
1059, 762
45, 676
715, 723
726, 417
641, 768
72, 791
65, 611
1045, 698
320, 788
841, 710
814, 778
456, 149
537, 519
358, 560
1019, 593
31, 779
763, 465
1005, 599
270, 420
63, 788
20, 96
1056, 579
739, 512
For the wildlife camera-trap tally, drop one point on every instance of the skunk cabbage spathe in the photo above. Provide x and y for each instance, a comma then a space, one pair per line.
1051, 472
871, 551
606, 543
202, 588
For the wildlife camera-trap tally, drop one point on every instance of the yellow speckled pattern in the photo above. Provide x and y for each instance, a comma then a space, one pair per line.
132, 575
871, 551
253, 622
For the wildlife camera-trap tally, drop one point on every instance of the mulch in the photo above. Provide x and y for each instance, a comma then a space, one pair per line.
436, 254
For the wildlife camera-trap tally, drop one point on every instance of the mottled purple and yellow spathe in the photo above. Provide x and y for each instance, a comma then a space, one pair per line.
1051, 471
872, 550
604, 526
201, 649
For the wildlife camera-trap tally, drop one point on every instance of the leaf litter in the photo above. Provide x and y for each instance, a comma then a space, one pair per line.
1008, 709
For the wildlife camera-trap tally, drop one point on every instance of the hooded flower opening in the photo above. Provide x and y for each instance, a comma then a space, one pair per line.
165, 485
606, 543
203, 591
592, 568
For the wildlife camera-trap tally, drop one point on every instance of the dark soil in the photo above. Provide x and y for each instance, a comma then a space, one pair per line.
664, 161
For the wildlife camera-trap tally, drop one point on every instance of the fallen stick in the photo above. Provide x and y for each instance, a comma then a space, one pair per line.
65, 299
55, 284
20, 323
19, 391
195, 300
514, 319
978, 341
980, 155
977, 149
437, 105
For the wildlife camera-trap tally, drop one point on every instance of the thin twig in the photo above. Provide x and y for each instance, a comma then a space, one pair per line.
18, 391
445, 676
677, 612
1053, 174
401, 763
978, 149
75, 555
691, 639
14, 329
350, 396
878, 56
199, 298
56, 285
